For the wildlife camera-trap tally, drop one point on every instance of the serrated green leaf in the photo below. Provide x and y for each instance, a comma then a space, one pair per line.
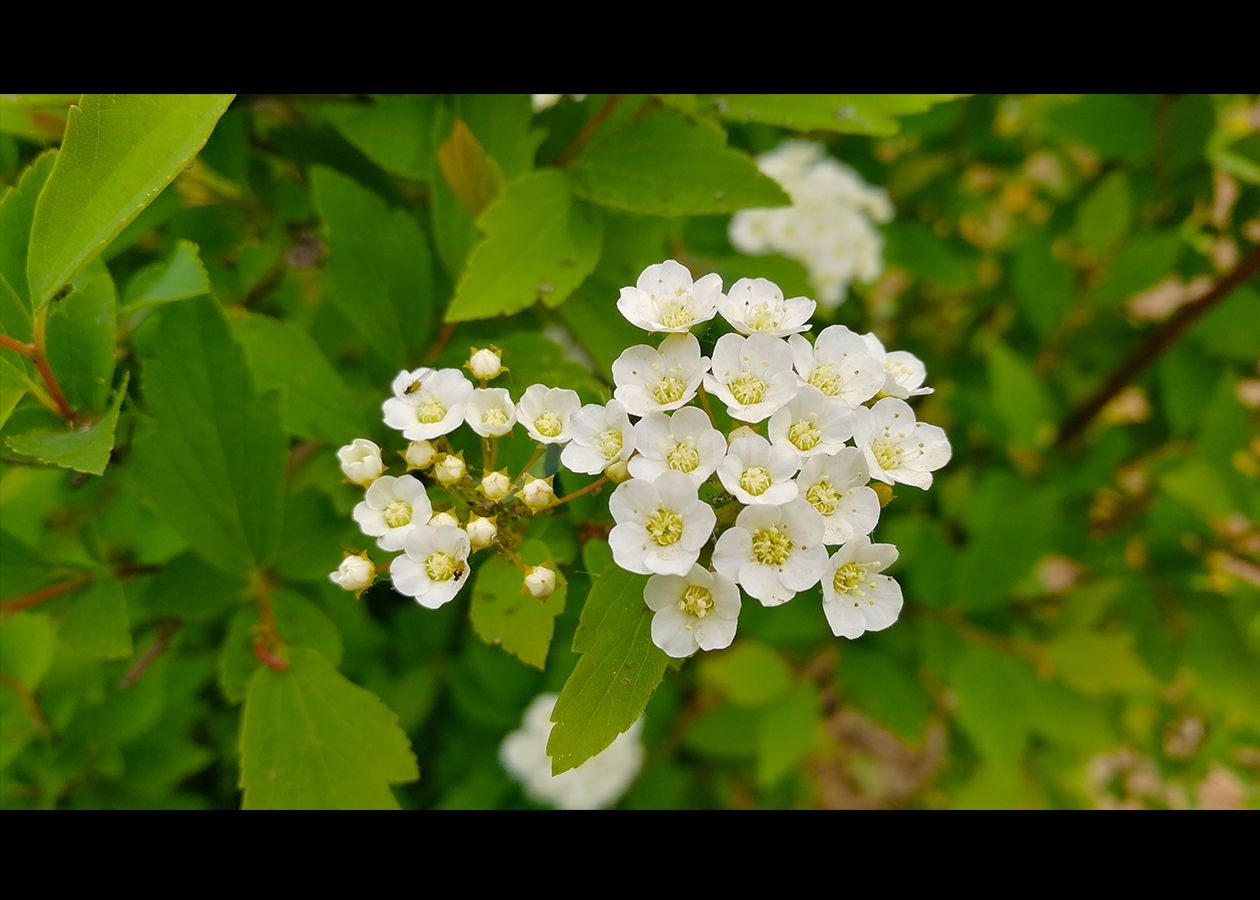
613, 681
81, 337
119, 152
97, 623
177, 278
750, 674
1096, 664
667, 165
320, 405
503, 616
540, 244
17, 211
85, 450
214, 470
310, 739
299, 622
787, 733
847, 113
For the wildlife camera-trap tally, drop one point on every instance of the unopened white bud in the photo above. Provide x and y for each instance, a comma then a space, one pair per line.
481, 531
361, 461
540, 582
443, 518
496, 486
486, 364
618, 471
538, 494
419, 455
354, 574
450, 468
742, 432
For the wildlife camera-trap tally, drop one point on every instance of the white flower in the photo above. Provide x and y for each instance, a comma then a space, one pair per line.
496, 485
406, 384
773, 551
752, 376
419, 455
434, 408
392, 508
659, 379
443, 518
602, 437
361, 461
491, 412
450, 468
545, 413
757, 306
354, 574
836, 487
538, 494
897, 448
838, 364
661, 525
698, 610
540, 582
539, 102
482, 531
435, 566
486, 364
756, 472
685, 442
903, 372
597, 783
856, 598
665, 299
812, 423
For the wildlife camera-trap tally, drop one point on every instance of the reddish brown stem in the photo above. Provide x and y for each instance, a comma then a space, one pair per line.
166, 631
268, 637
28, 702
592, 124
47, 593
586, 490
8, 343
440, 344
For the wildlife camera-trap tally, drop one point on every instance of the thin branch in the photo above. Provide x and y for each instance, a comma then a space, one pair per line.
268, 637
8, 343
592, 124
542, 448
165, 632
594, 485
1153, 346
704, 401
440, 344
47, 593
39, 356
28, 702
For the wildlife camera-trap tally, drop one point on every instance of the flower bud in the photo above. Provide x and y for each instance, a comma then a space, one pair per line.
419, 455
537, 494
742, 431
450, 468
361, 461
354, 574
485, 364
496, 485
481, 531
618, 471
443, 518
540, 582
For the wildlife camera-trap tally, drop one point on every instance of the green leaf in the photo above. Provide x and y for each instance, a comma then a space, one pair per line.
312, 740
299, 623
517, 622
81, 337
750, 674
119, 152
17, 210
885, 688
1097, 664
178, 278
314, 536
1144, 260
1118, 126
83, 450
214, 471
619, 669
539, 244
847, 113
787, 733
97, 622
320, 405
992, 690
1043, 285
1231, 330
13, 387
190, 588
380, 264
667, 165
1019, 396
26, 648
396, 133
1105, 215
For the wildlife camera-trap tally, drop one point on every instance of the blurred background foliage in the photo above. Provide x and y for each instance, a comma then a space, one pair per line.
1082, 618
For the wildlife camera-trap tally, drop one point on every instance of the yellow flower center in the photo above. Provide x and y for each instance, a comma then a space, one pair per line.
696, 601
748, 389
668, 390
610, 443
665, 526
826, 381
440, 566
431, 411
495, 416
398, 514
765, 317
771, 545
804, 434
676, 313
848, 582
887, 453
548, 424
823, 497
684, 457
755, 480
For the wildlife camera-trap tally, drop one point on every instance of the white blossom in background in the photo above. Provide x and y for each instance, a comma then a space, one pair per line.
428, 407
839, 364
434, 567
836, 486
392, 508
650, 378
773, 552
684, 441
490, 412
661, 525
758, 472
752, 375
666, 299
602, 437
812, 423
361, 461
597, 783
757, 306
897, 448
904, 372
354, 574
539, 102
545, 413
856, 598
829, 226
696, 611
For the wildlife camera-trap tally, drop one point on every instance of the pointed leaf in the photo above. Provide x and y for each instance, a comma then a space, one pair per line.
97, 622
17, 210
848, 113
85, 450
81, 334
178, 278
299, 623
475, 178
502, 615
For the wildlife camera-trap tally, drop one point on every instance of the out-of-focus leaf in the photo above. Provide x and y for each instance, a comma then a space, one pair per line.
85, 450
1043, 285
26, 648
1104, 216
518, 622
396, 133
1118, 126
299, 622
786, 734
848, 113
1144, 260
475, 178
97, 622
17, 211
81, 335
177, 278
1019, 397
885, 688
728, 732
192, 589
1198, 487
13, 387
1095, 663
314, 536
1231, 330
750, 674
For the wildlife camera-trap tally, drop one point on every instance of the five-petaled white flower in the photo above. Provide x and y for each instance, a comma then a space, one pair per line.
435, 566
903, 372
757, 472
839, 365
361, 461
856, 598
752, 376
435, 407
663, 378
661, 525
812, 423
666, 299
491, 412
897, 448
773, 551
545, 412
683, 442
836, 487
602, 437
757, 306
699, 610
392, 509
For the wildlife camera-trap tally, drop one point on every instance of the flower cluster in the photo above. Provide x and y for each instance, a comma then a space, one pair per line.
827, 227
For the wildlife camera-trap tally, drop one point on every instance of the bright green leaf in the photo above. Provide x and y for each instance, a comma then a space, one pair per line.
17, 211
84, 450
847, 113
396, 133
178, 278
992, 690
787, 733
13, 387
299, 622
1096, 664
26, 648
751, 674
81, 336
97, 622
518, 622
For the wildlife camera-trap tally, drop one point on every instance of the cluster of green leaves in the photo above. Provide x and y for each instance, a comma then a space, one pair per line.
168, 634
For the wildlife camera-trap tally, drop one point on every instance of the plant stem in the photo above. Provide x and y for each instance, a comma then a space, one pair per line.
440, 344
8, 343
268, 637
39, 356
578, 493
47, 593
165, 632
28, 702
592, 124
515, 560
542, 448
704, 401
